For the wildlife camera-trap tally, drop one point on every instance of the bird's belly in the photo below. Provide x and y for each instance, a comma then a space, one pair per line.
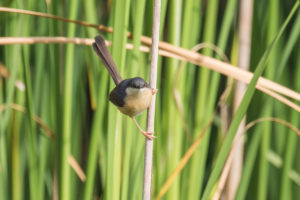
136, 104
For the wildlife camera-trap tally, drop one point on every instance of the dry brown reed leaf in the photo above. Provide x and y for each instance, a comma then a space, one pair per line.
38, 120
223, 68
263, 85
3, 71
45, 15
183, 161
273, 119
195, 58
76, 167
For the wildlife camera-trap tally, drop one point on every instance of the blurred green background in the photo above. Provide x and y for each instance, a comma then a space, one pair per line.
67, 87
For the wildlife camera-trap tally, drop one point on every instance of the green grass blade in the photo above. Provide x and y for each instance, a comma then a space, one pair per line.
131, 143
289, 156
202, 117
96, 139
270, 72
242, 110
32, 146
292, 41
248, 165
106, 144
13, 66
120, 21
175, 137
65, 192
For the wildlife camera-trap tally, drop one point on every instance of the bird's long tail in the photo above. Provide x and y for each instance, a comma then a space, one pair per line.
103, 53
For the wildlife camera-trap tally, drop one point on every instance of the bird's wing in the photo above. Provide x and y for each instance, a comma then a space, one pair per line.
103, 53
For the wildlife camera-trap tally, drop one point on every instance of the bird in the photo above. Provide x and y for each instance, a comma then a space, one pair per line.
131, 96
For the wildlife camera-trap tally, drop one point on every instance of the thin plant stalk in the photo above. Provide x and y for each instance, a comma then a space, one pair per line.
245, 30
148, 162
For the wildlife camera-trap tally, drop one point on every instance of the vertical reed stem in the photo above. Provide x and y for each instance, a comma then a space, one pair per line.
151, 111
245, 35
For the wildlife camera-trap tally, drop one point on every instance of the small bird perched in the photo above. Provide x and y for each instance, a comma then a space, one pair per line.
131, 96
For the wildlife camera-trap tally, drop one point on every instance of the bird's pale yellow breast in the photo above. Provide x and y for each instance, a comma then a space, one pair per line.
137, 100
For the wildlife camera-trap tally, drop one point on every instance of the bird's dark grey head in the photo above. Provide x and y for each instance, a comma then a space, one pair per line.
137, 82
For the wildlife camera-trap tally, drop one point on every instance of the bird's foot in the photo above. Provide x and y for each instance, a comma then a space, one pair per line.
148, 135
154, 91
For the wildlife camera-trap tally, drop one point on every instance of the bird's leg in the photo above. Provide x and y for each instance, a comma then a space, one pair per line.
148, 135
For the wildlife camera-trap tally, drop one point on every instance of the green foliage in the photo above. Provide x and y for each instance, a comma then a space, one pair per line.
67, 87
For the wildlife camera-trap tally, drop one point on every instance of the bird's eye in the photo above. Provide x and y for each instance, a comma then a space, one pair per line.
133, 85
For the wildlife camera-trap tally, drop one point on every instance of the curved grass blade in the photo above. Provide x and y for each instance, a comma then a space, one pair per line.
243, 108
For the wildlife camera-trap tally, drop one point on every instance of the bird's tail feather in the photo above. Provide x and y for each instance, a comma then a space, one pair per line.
103, 53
